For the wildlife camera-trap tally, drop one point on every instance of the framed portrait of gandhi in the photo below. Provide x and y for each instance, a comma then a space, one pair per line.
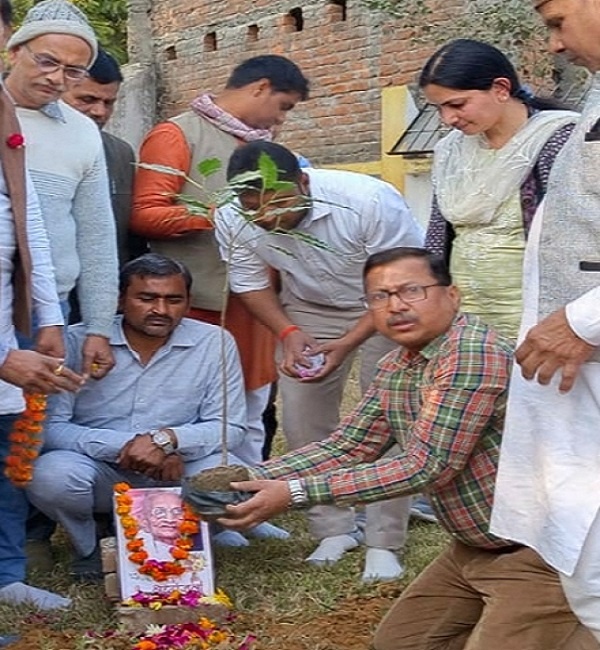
161, 543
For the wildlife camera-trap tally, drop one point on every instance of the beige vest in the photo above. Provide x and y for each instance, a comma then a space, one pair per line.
199, 251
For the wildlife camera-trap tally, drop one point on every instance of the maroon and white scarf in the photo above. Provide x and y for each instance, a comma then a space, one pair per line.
205, 106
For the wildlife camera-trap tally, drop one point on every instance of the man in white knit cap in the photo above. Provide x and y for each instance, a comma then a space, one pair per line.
52, 50
26, 286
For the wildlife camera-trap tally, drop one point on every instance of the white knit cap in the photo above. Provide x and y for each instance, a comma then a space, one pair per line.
54, 17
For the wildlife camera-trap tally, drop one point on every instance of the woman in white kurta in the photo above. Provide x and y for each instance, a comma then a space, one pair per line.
489, 173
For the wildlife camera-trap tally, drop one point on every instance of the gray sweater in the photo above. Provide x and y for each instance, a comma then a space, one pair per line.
66, 161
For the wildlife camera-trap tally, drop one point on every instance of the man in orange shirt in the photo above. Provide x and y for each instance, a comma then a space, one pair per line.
256, 98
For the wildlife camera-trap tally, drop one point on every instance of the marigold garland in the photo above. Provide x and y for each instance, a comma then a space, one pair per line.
158, 570
26, 440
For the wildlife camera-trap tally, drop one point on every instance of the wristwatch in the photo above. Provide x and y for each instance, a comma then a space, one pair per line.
298, 496
163, 440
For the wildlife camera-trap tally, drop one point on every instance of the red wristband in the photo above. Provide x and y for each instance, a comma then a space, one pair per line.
287, 330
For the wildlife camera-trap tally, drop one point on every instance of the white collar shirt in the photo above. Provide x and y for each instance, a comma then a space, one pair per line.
354, 215
46, 306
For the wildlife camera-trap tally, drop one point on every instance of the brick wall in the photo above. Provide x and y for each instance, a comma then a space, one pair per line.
348, 52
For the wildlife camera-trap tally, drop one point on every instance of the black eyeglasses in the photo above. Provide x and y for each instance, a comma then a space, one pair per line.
48, 64
408, 293
160, 512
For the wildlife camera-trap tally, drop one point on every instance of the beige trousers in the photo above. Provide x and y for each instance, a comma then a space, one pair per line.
471, 599
310, 412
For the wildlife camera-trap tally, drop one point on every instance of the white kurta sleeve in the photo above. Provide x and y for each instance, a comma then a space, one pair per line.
583, 315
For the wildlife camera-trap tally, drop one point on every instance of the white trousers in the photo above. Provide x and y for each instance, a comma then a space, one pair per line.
583, 587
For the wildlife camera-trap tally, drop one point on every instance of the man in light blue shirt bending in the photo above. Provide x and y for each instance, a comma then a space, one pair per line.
155, 418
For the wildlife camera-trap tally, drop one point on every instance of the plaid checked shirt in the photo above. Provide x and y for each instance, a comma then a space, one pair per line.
444, 406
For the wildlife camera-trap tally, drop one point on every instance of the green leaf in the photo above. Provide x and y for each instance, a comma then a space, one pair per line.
268, 171
195, 206
209, 166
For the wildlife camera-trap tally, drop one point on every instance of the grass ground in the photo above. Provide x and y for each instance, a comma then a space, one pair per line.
288, 604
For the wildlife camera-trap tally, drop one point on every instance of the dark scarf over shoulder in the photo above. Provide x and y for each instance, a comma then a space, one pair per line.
13, 167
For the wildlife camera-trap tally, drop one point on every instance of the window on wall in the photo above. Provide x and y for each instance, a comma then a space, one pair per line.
294, 20
210, 42
171, 53
337, 10
252, 33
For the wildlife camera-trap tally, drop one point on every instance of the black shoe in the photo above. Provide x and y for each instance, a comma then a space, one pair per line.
87, 569
7, 640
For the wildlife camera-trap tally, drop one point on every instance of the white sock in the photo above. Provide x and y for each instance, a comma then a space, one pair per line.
331, 549
267, 531
18, 593
381, 565
230, 538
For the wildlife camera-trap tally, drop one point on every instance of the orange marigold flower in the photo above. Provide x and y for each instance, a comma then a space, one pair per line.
189, 527
19, 436
131, 531
179, 553
129, 521
145, 644
138, 557
189, 514
121, 488
206, 623
185, 543
135, 545
25, 440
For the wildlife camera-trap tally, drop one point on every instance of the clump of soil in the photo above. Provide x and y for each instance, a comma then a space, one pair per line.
209, 492
218, 479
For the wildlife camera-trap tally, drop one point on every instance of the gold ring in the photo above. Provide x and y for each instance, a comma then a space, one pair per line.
59, 368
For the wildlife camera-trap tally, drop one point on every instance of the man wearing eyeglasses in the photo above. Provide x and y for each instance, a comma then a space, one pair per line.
26, 285
51, 51
318, 234
162, 514
96, 96
440, 397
